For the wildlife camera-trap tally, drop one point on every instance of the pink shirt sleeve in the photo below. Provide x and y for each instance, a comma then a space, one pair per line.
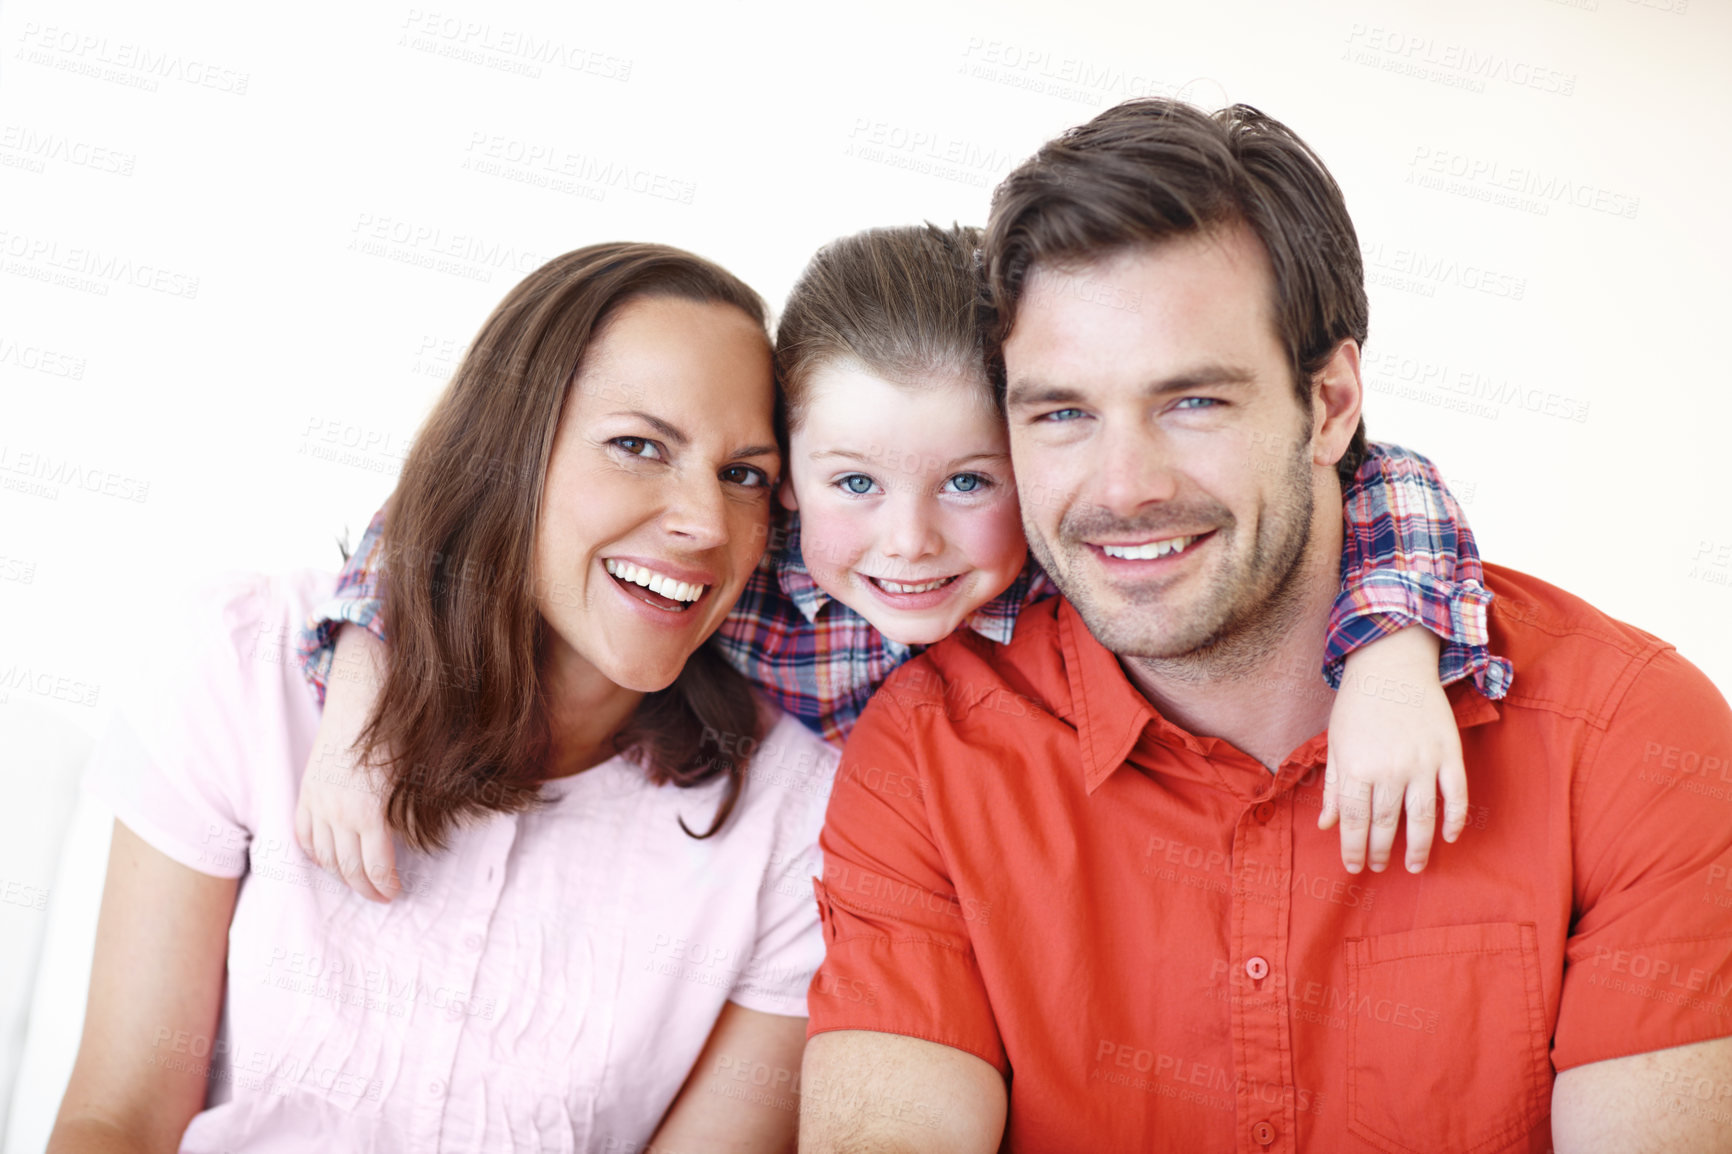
798, 768
174, 762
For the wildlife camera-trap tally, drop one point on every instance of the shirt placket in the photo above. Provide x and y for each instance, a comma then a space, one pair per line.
1265, 1119
478, 872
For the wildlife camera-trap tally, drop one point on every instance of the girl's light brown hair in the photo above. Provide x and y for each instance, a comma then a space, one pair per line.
462, 708
902, 303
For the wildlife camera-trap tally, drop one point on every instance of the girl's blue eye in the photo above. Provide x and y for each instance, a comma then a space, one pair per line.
967, 483
858, 484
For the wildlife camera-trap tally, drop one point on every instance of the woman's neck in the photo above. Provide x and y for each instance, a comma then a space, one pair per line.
584, 712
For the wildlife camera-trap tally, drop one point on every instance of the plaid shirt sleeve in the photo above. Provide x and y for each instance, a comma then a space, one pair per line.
1409, 558
823, 670
355, 600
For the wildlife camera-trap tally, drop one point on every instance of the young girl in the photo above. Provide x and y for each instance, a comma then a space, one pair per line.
903, 525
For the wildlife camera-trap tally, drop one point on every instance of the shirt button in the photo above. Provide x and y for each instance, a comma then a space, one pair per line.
1258, 969
435, 1088
1263, 1133
1264, 811
473, 942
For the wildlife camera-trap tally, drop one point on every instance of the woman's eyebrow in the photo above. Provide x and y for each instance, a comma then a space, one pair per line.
671, 432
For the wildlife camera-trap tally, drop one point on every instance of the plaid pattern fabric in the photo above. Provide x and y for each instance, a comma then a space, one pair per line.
1408, 558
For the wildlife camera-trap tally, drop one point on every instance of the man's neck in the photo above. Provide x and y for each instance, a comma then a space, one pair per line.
1261, 689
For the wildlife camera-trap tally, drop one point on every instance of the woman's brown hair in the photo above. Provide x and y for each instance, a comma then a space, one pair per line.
902, 303
461, 709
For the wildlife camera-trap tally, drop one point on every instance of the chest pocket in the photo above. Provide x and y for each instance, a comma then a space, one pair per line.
1472, 1074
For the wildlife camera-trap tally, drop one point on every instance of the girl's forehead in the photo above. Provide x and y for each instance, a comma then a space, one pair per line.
837, 394
885, 429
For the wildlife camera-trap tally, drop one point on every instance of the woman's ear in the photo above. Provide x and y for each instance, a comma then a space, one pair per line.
785, 494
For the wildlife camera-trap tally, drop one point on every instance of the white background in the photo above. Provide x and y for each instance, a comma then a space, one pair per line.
241, 246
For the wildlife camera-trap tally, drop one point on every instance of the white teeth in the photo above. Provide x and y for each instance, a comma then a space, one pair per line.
1150, 551
923, 587
653, 581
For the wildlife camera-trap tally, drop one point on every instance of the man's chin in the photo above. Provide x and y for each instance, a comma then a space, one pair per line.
1128, 632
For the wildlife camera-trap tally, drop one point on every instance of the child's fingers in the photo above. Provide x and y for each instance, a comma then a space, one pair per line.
1421, 824
1385, 818
1331, 811
1355, 803
1452, 780
324, 847
381, 862
353, 866
304, 827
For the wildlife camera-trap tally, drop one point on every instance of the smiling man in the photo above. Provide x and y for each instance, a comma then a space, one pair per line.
1104, 917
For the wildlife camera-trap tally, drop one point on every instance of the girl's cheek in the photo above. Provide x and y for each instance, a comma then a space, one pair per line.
995, 540
829, 541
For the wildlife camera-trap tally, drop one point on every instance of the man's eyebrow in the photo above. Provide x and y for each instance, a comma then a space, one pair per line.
1202, 377
1025, 393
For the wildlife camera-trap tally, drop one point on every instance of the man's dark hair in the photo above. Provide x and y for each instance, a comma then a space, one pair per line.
1154, 169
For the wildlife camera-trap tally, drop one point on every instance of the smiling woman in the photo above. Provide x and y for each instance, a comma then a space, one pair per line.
657, 455
568, 967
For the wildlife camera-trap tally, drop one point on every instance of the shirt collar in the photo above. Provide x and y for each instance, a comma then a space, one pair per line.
1111, 714
794, 578
995, 620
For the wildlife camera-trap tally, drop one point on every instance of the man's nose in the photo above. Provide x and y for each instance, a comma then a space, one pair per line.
1133, 470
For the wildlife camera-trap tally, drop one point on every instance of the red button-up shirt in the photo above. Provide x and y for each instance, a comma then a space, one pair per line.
1144, 930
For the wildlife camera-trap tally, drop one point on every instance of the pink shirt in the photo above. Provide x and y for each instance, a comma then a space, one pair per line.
545, 983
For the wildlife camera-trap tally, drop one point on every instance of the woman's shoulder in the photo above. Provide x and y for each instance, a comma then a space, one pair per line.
214, 721
789, 770
238, 614
228, 640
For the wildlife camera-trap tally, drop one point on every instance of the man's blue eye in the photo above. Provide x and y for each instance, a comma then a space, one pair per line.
1062, 415
1197, 403
856, 483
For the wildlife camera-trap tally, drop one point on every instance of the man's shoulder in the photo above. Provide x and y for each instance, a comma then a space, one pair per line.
966, 673
1570, 656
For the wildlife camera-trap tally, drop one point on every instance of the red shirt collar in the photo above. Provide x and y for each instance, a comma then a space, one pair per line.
1111, 714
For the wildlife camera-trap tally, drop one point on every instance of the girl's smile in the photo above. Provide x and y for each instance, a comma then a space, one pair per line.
908, 511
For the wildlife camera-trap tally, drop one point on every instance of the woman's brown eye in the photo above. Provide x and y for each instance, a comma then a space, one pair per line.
747, 475
638, 447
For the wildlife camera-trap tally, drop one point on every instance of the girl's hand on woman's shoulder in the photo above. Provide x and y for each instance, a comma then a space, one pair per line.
340, 815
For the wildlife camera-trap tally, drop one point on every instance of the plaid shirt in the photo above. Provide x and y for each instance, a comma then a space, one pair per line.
1407, 558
